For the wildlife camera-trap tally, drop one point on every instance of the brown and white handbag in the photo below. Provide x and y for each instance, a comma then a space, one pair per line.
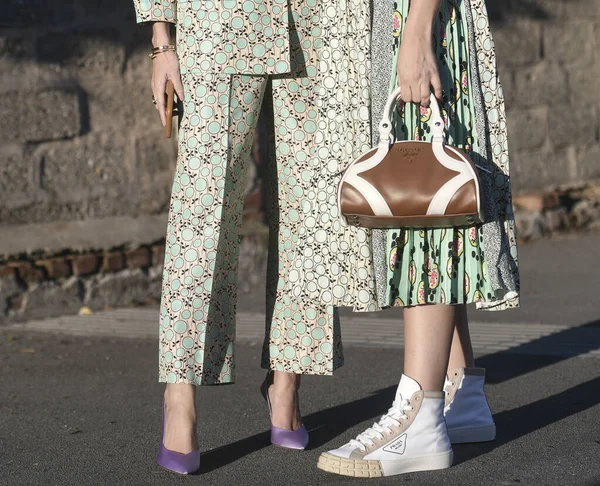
411, 183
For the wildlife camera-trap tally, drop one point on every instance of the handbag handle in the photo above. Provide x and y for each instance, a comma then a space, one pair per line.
385, 126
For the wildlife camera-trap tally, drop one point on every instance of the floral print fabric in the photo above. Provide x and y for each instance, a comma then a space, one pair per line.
228, 36
451, 266
320, 122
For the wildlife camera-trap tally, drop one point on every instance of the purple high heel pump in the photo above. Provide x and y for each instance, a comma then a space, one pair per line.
176, 461
290, 439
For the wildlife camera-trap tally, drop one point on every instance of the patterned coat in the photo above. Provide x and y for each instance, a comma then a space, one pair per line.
228, 36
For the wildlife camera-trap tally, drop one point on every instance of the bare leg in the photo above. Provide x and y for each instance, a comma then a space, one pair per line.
283, 394
180, 418
461, 353
428, 333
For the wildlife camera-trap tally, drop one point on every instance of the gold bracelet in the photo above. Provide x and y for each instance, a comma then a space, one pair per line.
160, 49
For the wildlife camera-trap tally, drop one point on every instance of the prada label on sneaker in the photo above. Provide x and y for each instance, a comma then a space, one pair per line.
398, 446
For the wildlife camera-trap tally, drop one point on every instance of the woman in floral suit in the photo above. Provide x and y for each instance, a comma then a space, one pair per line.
307, 62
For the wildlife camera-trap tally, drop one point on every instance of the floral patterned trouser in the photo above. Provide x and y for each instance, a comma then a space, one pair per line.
197, 327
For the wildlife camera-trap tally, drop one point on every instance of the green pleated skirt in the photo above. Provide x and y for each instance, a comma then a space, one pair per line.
433, 266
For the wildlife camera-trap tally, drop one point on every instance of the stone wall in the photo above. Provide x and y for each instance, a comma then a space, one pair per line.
78, 135
549, 66
85, 170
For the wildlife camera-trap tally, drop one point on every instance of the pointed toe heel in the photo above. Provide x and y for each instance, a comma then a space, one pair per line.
286, 438
290, 439
176, 461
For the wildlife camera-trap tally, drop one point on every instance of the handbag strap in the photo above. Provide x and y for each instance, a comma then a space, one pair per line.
385, 126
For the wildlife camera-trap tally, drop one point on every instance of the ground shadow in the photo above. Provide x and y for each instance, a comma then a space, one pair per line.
514, 424
545, 351
326, 425
323, 427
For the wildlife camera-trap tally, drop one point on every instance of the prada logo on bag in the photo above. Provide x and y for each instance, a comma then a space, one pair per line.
409, 153
398, 446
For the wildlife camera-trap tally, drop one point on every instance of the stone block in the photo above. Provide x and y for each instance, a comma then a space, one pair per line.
530, 225
583, 82
16, 44
97, 52
56, 268
557, 220
155, 156
542, 84
566, 42
114, 261
138, 258
15, 304
85, 264
507, 82
552, 200
541, 169
585, 213
253, 262
117, 289
7, 271
50, 299
518, 43
28, 272
158, 255
27, 76
49, 114
155, 283
43, 210
582, 9
84, 169
9, 287
588, 163
527, 129
17, 176
570, 124
155, 162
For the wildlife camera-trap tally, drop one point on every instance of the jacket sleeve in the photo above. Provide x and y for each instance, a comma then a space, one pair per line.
155, 11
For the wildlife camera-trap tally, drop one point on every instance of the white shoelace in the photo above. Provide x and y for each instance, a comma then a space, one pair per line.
385, 424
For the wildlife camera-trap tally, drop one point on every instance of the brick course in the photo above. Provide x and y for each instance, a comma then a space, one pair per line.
28, 272
114, 261
85, 264
139, 258
57, 268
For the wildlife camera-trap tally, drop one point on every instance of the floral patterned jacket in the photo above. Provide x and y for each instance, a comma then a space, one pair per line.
228, 36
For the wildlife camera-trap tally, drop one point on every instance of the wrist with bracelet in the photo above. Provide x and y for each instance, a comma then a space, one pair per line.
160, 49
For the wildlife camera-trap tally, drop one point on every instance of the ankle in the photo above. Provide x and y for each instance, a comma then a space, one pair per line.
180, 396
285, 381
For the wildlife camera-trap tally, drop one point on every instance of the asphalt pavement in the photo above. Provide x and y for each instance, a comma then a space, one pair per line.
79, 406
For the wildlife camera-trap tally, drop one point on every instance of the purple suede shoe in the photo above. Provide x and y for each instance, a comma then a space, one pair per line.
176, 461
290, 439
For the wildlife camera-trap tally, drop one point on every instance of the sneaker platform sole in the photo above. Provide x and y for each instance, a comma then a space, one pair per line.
474, 434
362, 468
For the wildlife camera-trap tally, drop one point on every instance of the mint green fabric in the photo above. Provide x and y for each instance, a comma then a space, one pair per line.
438, 265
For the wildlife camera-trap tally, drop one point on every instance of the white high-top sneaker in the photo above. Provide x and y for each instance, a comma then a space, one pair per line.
412, 436
468, 415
